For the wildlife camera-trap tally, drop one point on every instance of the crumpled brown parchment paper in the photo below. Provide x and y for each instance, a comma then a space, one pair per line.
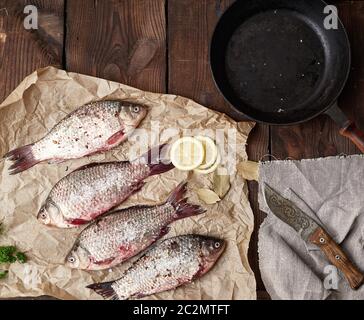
34, 107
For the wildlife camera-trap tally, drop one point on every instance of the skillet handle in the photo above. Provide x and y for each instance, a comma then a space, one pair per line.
347, 127
354, 134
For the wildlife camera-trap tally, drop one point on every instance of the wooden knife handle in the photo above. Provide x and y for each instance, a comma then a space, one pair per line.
337, 257
351, 131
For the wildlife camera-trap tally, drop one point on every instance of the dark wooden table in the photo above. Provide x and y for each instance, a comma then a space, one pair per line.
162, 46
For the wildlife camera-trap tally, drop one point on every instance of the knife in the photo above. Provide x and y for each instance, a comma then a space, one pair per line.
311, 232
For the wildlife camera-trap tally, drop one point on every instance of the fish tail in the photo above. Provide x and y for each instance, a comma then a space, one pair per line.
157, 160
23, 159
104, 289
179, 202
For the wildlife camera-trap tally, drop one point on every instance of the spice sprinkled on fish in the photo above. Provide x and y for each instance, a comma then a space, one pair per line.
94, 189
168, 265
95, 127
122, 234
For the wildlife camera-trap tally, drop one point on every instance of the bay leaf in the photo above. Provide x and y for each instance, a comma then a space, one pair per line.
221, 182
208, 196
249, 170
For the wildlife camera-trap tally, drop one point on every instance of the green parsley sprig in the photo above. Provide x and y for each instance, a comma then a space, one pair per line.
9, 254
3, 274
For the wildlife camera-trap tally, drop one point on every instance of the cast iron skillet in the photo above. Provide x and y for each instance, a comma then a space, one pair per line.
276, 63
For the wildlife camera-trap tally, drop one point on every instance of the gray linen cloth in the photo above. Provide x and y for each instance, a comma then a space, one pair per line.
330, 190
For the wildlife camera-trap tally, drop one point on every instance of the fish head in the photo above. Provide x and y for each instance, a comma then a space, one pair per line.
132, 114
78, 258
211, 250
48, 213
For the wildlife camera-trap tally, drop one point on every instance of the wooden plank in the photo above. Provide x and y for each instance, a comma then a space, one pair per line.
190, 27
258, 149
320, 137
352, 98
120, 40
22, 51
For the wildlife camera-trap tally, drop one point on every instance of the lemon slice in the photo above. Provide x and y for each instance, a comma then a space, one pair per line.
210, 152
210, 169
187, 153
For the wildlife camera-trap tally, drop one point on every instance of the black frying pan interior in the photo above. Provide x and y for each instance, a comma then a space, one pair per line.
276, 62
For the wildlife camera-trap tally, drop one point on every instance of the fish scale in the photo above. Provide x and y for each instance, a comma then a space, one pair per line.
126, 228
171, 263
76, 193
155, 268
93, 189
94, 127
122, 234
76, 131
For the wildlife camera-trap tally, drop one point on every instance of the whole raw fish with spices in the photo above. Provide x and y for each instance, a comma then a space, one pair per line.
91, 190
94, 127
170, 264
120, 235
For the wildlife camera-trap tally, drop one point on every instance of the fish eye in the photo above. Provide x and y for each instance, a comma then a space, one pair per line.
71, 259
217, 245
43, 215
136, 109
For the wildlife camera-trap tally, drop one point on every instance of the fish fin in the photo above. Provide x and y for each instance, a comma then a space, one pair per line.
137, 187
139, 295
23, 159
177, 194
157, 160
116, 138
200, 272
127, 252
183, 208
104, 289
163, 232
104, 262
124, 250
76, 222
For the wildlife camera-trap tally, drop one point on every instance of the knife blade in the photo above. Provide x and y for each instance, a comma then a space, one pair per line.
311, 231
